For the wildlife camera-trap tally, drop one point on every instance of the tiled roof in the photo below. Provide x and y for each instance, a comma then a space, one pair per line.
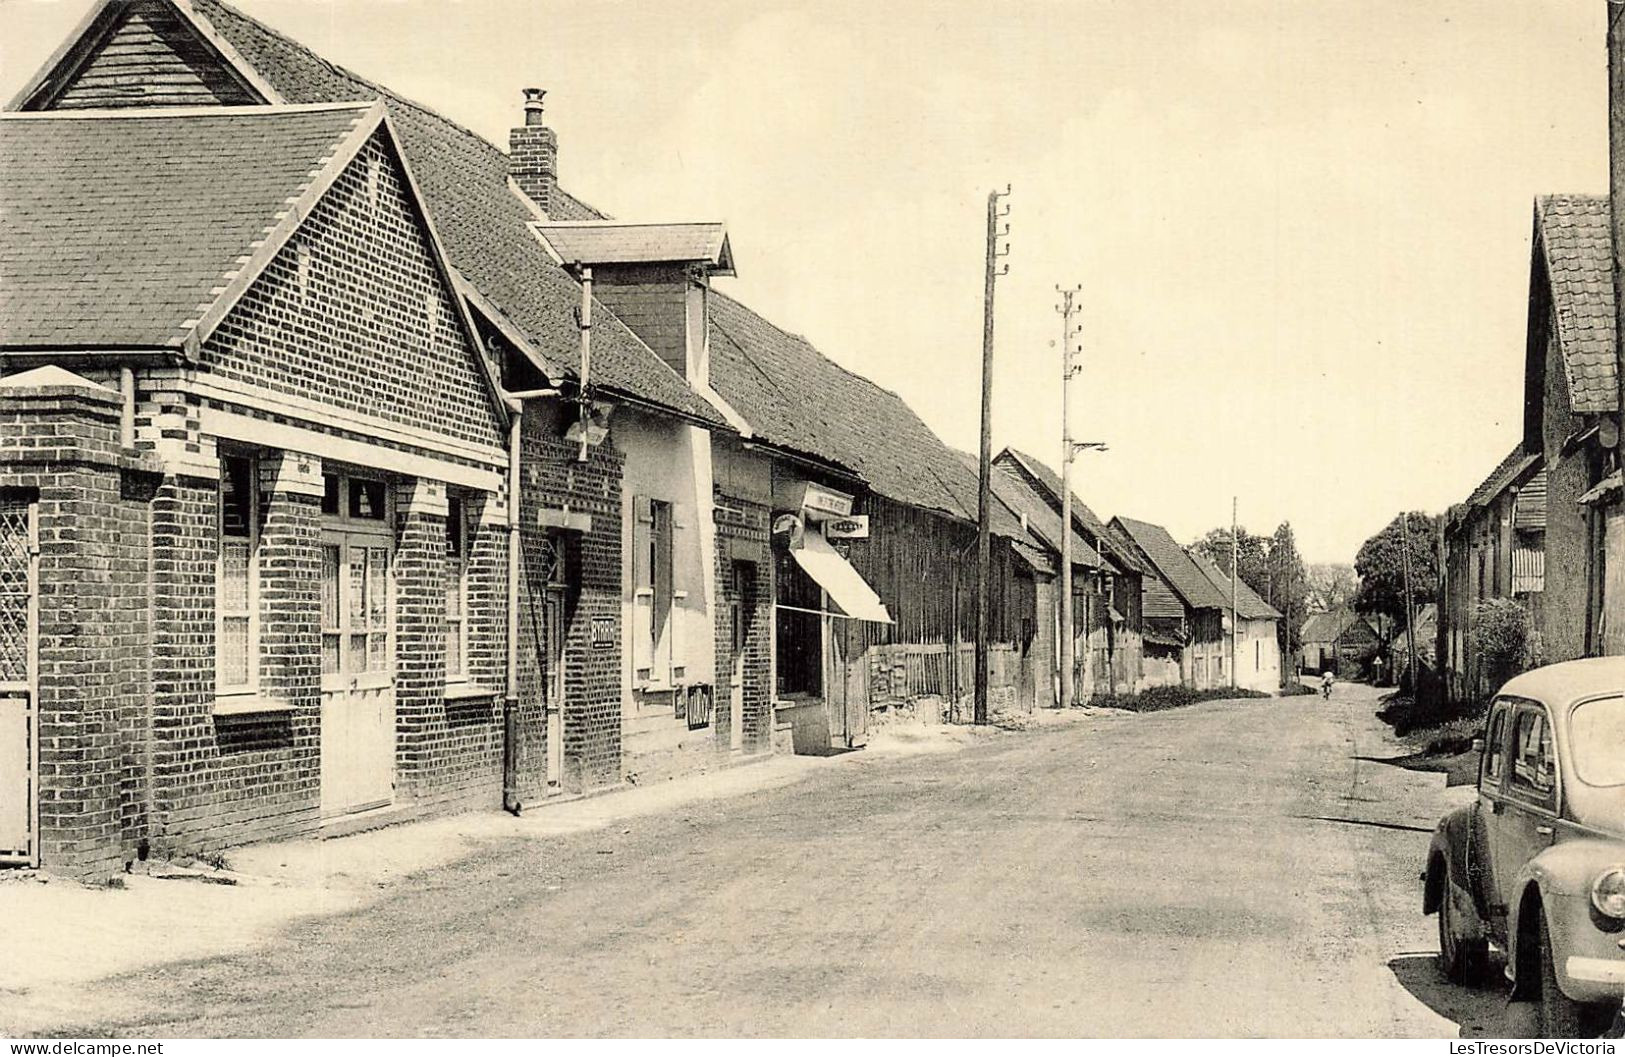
484, 226
611, 242
120, 229
1050, 481
1331, 626
1174, 565
1248, 604
1573, 229
1042, 521
796, 398
1505, 474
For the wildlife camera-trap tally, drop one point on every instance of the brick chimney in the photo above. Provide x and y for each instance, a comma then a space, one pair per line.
533, 153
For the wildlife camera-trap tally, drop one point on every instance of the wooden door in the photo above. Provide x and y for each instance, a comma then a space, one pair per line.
358, 673
553, 684
19, 714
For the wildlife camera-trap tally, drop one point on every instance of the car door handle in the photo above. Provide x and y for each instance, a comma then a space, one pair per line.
1544, 831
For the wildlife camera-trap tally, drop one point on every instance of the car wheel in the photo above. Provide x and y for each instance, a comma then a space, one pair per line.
1460, 957
1561, 1017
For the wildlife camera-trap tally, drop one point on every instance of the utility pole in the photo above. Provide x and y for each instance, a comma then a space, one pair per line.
1410, 612
1235, 622
984, 497
1616, 199
1068, 368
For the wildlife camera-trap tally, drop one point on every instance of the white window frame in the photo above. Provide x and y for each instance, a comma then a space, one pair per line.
457, 570
251, 685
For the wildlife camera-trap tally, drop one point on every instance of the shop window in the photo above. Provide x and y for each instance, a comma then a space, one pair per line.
236, 578
653, 644
799, 630
456, 591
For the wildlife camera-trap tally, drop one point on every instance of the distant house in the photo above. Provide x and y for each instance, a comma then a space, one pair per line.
1107, 613
1255, 646
1495, 547
1200, 627
1340, 641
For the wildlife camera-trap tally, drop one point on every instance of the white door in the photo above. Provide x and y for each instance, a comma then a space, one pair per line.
358, 673
19, 748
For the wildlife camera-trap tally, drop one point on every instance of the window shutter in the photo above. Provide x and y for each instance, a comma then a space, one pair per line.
642, 527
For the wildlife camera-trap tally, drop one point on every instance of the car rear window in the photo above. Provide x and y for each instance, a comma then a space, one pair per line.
1597, 729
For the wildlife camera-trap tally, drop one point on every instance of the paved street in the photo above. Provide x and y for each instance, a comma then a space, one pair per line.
1236, 868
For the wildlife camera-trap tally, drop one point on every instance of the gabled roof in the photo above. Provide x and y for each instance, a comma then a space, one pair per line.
126, 230
612, 242
1049, 482
1248, 604
1572, 233
483, 223
1173, 564
1041, 520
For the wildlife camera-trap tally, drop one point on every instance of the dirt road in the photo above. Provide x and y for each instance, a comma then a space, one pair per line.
1237, 868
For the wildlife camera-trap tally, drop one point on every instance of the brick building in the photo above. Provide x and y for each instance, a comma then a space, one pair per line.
267, 536
500, 476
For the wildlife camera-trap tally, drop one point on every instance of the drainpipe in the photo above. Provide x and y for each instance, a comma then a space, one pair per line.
510, 701
126, 418
584, 320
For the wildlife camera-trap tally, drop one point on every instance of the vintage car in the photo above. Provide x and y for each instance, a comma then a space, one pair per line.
1536, 863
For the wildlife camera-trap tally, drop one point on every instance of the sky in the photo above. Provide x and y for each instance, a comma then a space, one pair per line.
1301, 228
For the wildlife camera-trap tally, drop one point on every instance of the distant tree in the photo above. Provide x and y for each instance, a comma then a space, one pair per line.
1380, 567
1331, 586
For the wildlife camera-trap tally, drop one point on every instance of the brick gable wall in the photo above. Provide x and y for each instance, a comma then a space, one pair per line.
353, 313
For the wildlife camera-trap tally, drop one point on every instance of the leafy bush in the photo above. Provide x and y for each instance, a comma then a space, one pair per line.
1503, 639
1296, 689
1161, 698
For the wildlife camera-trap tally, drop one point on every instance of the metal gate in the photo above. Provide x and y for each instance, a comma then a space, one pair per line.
19, 742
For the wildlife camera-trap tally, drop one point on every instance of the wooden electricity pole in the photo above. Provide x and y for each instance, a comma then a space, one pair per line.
1616, 199
1068, 369
984, 498
1235, 622
1410, 611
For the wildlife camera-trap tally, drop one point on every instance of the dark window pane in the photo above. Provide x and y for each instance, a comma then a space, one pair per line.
330, 494
236, 495
367, 499
454, 527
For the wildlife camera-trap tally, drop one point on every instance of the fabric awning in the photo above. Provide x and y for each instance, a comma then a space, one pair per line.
845, 586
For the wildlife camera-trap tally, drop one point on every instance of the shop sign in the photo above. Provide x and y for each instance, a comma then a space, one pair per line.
603, 633
820, 500
854, 527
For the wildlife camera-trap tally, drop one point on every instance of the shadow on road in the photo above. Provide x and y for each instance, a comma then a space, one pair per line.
1480, 1012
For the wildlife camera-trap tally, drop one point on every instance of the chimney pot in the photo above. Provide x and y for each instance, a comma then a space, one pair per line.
533, 105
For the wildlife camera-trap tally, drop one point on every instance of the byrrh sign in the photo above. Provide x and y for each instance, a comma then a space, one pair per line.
855, 527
